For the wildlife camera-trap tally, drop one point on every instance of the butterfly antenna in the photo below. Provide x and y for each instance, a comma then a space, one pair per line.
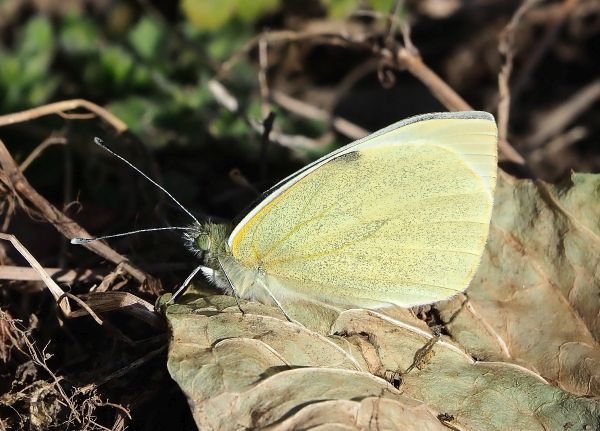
100, 143
153, 229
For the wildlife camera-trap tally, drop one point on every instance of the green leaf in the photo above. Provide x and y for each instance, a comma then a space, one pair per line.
382, 5
339, 8
79, 36
37, 38
117, 65
206, 14
249, 11
211, 15
147, 38
24, 74
137, 112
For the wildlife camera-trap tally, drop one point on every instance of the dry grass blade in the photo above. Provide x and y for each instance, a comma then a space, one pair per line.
54, 288
9, 272
102, 302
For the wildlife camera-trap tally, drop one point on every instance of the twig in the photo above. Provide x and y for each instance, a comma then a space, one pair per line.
392, 23
39, 358
307, 110
348, 82
228, 101
506, 46
551, 123
60, 221
223, 96
438, 87
264, 143
558, 143
59, 108
263, 62
293, 142
49, 141
108, 280
288, 36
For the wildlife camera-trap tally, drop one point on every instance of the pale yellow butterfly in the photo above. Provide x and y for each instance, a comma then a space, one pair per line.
400, 217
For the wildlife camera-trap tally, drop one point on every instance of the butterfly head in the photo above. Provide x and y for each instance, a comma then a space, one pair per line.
207, 240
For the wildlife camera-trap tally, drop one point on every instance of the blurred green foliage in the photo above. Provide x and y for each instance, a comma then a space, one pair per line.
149, 71
24, 79
211, 15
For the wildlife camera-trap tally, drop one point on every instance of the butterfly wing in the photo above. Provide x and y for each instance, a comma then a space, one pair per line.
400, 217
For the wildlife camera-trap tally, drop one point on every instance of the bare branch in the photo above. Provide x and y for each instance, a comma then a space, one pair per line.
59, 108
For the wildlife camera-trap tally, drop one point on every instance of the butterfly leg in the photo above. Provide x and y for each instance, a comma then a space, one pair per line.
235, 294
184, 284
287, 316
237, 300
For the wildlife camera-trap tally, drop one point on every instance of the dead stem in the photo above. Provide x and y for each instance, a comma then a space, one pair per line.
306, 110
59, 108
263, 61
554, 121
49, 141
506, 46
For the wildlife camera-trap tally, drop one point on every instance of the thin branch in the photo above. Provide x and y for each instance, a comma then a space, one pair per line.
392, 23
263, 61
553, 122
264, 143
306, 110
228, 101
438, 87
59, 108
506, 47
49, 141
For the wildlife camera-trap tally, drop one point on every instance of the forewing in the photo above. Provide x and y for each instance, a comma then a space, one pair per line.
401, 217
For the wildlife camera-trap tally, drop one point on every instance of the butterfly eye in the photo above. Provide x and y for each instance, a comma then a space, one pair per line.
203, 242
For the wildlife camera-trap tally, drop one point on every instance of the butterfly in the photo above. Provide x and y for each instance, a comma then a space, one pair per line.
400, 217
